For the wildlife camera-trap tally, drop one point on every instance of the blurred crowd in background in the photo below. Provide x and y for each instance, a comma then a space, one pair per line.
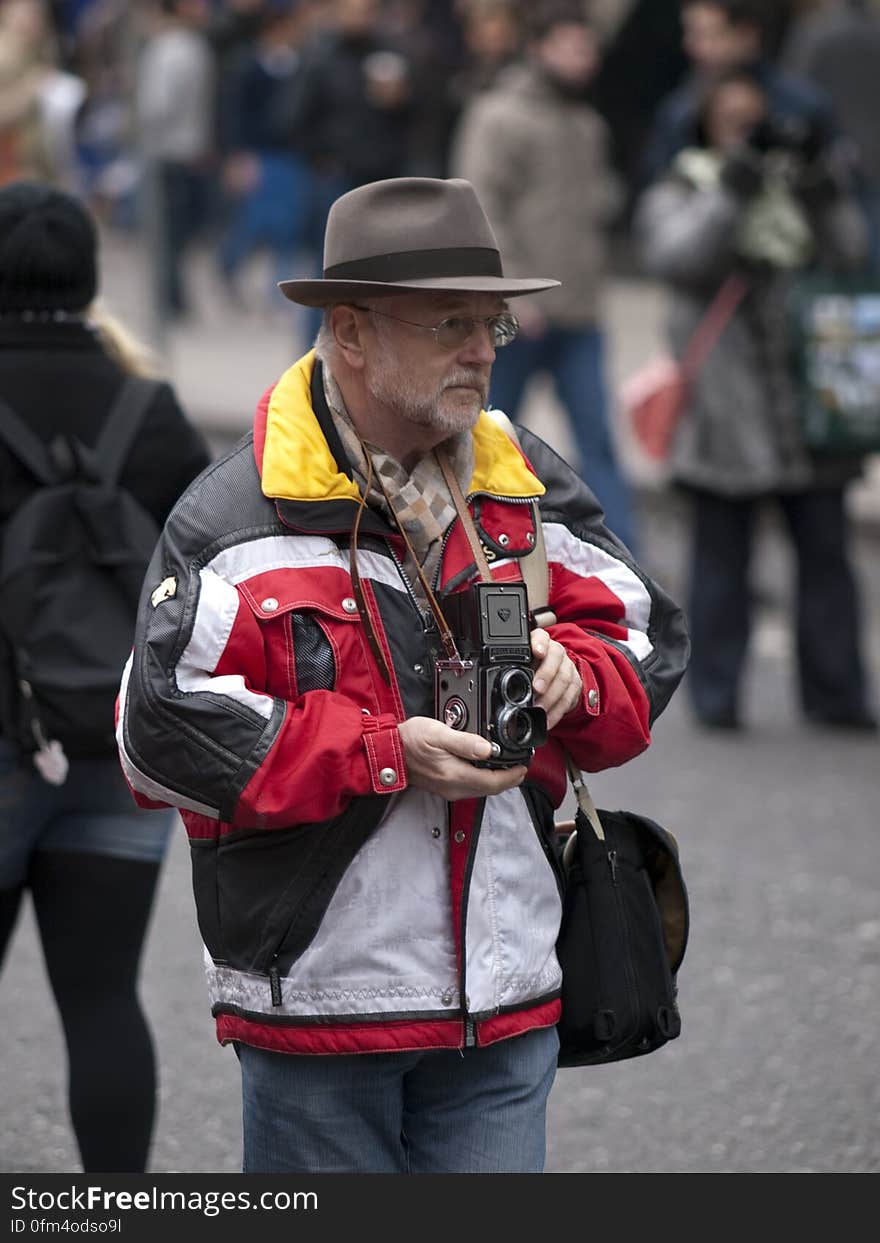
677, 140
255, 114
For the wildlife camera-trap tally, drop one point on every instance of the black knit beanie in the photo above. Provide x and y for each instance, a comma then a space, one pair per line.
48, 250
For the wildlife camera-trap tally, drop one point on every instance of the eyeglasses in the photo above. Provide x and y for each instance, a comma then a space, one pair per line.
452, 333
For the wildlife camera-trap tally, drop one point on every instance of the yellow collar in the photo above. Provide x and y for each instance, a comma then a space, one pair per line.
298, 466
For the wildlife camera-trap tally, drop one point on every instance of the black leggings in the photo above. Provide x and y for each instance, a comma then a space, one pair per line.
92, 912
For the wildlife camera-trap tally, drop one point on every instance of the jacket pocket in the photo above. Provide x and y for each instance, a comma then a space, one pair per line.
261, 894
310, 642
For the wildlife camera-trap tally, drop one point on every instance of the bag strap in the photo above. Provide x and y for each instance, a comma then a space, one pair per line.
123, 424
112, 447
26, 446
464, 513
716, 318
533, 565
540, 575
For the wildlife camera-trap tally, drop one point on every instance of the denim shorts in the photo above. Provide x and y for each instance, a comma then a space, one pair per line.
93, 812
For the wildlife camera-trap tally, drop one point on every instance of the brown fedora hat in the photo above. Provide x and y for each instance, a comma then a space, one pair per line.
404, 234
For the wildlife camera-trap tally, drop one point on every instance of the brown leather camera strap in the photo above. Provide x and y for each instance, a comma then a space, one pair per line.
357, 586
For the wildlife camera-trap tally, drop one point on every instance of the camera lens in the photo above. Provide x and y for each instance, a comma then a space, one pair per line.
515, 727
515, 686
455, 713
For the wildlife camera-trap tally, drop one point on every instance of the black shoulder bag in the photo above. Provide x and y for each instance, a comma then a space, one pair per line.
624, 925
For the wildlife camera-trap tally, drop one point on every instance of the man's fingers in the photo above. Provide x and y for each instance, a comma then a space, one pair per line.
465, 746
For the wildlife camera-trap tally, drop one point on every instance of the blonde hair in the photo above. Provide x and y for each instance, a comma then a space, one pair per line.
123, 347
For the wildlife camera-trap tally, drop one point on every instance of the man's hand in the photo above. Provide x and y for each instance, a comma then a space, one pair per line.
440, 760
557, 683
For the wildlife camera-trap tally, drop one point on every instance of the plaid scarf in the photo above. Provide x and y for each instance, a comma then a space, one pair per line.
420, 500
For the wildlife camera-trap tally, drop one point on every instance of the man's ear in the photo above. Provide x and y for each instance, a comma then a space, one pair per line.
346, 329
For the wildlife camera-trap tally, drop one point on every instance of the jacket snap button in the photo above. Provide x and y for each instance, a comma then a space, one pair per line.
418, 668
503, 540
593, 698
387, 776
459, 835
350, 605
435, 832
447, 997
530, 538
269, 605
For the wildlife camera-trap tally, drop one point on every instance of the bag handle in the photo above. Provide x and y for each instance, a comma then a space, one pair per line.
540, 579
715, 319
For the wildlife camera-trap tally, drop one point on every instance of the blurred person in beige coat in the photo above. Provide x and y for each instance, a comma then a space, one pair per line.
536, 151
27, 60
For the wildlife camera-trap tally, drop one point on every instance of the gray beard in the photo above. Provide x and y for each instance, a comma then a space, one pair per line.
386, 387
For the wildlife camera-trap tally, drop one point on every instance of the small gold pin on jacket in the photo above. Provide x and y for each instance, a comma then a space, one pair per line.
165, 591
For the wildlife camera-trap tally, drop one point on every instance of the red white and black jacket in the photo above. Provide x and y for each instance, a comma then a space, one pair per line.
343, 911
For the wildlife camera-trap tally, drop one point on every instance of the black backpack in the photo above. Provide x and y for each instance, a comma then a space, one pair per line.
72, 563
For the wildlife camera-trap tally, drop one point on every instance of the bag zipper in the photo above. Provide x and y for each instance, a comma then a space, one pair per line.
611, 856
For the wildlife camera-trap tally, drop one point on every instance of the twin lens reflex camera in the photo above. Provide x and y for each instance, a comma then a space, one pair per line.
488, 691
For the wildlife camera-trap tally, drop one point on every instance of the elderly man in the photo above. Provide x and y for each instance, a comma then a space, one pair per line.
378, 888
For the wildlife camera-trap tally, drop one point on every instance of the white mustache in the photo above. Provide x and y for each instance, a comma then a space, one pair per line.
469, 379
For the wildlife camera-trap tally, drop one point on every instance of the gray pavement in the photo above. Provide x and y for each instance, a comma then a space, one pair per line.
776, 1068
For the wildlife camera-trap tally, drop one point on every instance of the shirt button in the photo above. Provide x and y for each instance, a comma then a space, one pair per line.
435, 832
387, 776
593, 698
459, 836
269, 605
447, 997
350, 605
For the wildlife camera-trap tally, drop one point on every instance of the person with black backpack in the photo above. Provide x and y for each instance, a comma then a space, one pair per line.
93, 455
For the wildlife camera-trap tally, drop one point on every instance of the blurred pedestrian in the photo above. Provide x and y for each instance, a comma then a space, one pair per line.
837, 47
36, 106
536, 152
768, 203
348, 112
175, 114
90, 860
267, 186
492, 38
720, 35
380, 911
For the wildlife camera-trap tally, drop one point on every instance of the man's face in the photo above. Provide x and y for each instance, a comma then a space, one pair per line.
569, 52
714, 43
411, 374
737, 107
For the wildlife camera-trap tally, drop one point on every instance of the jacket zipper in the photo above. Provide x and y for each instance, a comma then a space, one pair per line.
494, 496
275, 982
426, 618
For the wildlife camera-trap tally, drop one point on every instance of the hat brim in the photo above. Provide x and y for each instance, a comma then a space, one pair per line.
326, 293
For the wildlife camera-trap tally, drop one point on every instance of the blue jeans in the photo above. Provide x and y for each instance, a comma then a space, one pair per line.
573, 357
92, 812
435, 1111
